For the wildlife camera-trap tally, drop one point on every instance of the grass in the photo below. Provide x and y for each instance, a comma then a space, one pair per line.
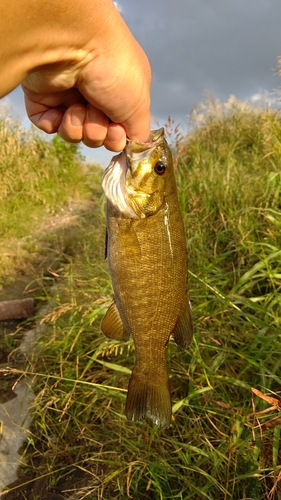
38, 179
224, 441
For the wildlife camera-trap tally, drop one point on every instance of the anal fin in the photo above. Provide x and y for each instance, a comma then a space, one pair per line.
112, 326
183, 329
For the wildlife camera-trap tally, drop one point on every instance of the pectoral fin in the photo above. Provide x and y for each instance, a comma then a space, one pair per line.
183, 330
112, 325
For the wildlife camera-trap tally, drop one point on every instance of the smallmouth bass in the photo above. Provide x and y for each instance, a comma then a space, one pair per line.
147, 258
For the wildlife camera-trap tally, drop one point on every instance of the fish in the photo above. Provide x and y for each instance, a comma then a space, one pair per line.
147, 259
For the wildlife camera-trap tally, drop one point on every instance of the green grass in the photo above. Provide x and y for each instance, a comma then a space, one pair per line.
39, 180
222, 444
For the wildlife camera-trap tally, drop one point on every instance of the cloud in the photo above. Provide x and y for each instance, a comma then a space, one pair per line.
197, 45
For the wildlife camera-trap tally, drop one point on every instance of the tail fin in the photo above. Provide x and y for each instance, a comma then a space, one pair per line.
149, 399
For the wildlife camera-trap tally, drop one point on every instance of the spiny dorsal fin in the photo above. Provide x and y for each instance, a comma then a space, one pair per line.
112, 326
183, 330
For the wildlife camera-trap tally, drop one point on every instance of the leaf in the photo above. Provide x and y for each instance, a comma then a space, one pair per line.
270, 400
113, 366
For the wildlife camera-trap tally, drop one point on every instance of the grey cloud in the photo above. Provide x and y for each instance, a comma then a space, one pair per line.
224, 46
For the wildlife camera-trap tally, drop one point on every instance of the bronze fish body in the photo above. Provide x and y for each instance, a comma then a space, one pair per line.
147, 257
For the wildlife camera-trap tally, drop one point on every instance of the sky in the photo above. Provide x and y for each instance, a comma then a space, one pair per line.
225, 47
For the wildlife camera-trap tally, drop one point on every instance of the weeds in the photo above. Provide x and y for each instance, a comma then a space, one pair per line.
224, 441
38, 179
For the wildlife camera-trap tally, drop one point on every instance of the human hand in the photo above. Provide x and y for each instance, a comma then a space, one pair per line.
98, 95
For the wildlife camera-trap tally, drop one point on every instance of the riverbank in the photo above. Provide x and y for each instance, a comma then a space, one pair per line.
221, 443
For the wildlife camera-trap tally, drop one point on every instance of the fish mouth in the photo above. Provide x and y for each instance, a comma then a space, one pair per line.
136, 150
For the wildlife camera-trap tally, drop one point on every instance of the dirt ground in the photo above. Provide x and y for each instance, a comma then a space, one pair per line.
11, 335
28, 283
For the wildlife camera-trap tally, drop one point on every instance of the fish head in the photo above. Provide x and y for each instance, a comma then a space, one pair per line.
139, 179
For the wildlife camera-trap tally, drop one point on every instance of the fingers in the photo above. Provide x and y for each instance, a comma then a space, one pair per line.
95, 127
72, 123
116, 137
91, 126
43, 117
137, 126
78, 123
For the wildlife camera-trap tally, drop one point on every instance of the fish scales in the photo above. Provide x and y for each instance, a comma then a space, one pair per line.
147, 260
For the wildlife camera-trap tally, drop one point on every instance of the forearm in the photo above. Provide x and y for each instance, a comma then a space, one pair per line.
36, 33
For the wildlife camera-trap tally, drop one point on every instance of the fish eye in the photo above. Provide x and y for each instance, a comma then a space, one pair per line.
160, 168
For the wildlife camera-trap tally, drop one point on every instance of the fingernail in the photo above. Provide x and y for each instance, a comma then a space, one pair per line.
77, 117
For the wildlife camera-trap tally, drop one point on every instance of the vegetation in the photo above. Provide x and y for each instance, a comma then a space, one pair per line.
38, 179
224, 441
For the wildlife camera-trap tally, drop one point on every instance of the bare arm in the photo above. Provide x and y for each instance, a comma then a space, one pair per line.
83, 73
